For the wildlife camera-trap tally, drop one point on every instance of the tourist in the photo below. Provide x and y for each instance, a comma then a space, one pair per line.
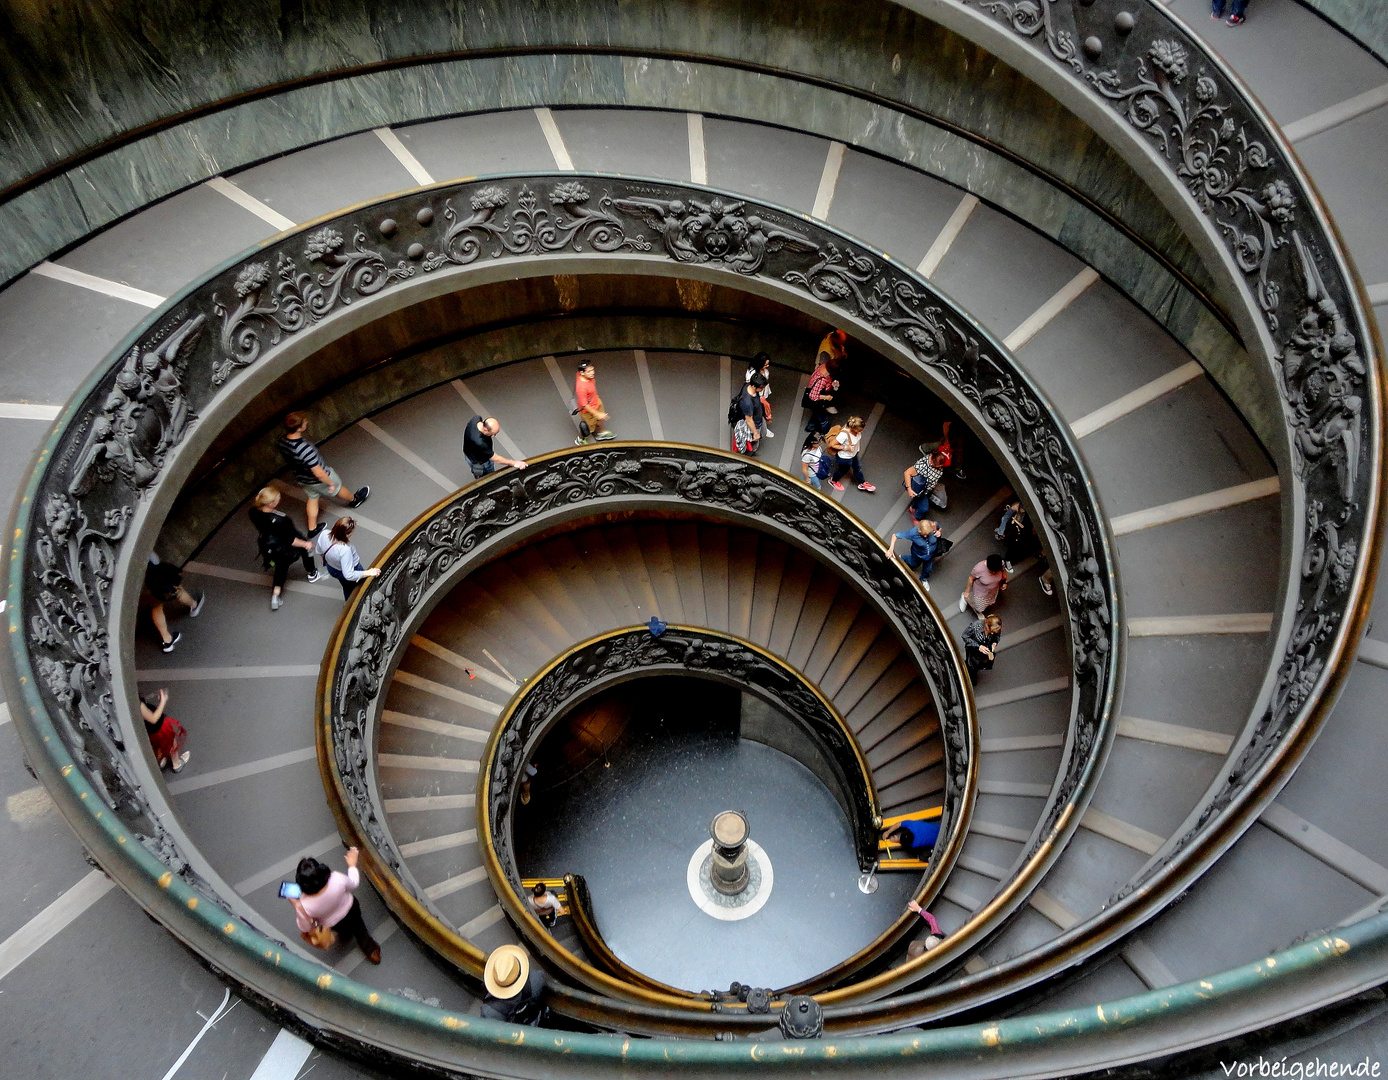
814, 465
165, 583
948, 451
281, 543
590, 407
1008, 511
981, 644
924, 538
761, 365
340, 557
482, 458
1019, 538
915, 838
326, 901
923, 481
312, 473
845, 442
932, 939
986, 580
545, 905
1236, 9
515, 987
750, 416
824, 383
166, 734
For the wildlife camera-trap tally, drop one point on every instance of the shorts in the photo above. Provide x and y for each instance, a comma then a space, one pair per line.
318, 490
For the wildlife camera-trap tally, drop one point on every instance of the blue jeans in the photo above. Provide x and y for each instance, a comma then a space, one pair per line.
1236, 8
814, 482
482, 469
842, 465
913, 561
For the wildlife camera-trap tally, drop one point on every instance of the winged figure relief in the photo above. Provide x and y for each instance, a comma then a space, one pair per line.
669, 217
145, 414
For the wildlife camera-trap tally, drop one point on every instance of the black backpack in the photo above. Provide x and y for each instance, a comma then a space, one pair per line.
735, 412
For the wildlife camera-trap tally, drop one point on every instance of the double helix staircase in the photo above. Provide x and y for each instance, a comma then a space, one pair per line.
1196, 506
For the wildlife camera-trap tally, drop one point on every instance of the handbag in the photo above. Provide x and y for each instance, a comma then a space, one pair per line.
320, 936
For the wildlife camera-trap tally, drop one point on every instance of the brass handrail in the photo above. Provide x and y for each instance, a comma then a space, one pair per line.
487, 800
867, 551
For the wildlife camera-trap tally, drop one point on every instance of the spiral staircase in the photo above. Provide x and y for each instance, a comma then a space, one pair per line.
1165, 854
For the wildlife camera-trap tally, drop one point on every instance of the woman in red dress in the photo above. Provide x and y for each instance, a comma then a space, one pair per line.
166, 734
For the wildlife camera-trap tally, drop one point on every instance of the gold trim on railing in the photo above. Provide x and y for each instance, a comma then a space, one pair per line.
437, 935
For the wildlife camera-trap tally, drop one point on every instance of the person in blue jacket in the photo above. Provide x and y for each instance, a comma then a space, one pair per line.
924, 538
915, 838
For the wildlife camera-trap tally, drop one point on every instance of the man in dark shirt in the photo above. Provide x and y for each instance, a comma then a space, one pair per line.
482, 458
753, 411
312, 473
515, 987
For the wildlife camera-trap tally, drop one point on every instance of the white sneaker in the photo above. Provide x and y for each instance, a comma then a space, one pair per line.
276, 602
314, 576
1007, 566
770, 434
182, 761
925, 585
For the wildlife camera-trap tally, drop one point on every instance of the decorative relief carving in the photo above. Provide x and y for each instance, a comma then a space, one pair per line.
496, 504
1216, 145
116, 446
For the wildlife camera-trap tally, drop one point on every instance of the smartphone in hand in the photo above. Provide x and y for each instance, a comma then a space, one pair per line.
290, 891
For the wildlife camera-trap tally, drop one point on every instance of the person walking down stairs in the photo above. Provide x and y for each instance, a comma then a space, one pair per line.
166, 734
845, 441
987, 579
340, 556
515, 987
748, 417
761, 365
481, 455
281, 543
318, 479
924, 539
981, 645
590, 407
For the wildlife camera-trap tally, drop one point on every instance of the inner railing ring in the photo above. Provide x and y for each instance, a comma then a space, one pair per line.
465, 530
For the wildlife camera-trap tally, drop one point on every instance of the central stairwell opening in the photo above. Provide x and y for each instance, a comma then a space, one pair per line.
624, 791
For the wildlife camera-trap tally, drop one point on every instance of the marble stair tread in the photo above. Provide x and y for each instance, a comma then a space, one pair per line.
713, 559
689, 571
766, 588
800, 571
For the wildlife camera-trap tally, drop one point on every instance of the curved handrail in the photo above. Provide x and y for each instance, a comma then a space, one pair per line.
1317, 344
600, 662
464, 530
93, 506
596, 946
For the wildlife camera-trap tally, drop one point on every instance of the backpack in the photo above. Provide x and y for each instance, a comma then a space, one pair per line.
833, 434
735, 409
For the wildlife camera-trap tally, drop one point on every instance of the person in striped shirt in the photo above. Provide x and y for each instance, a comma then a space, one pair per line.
318, 479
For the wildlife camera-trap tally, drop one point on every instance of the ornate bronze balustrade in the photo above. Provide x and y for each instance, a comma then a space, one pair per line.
462, 532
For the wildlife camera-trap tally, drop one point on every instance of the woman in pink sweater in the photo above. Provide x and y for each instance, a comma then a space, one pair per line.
327, 899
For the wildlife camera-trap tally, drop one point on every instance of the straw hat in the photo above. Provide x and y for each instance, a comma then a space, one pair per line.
506, 972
